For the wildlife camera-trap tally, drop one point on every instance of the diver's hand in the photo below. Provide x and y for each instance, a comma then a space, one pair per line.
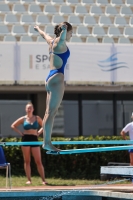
64, 27
36, 28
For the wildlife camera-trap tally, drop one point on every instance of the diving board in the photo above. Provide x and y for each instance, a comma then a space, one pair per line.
88, 150
100, 142
117, 170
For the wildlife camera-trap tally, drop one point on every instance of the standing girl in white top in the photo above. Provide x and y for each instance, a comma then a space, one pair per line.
128, 128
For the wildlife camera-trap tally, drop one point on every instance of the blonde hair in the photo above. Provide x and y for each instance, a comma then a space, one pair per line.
29, 103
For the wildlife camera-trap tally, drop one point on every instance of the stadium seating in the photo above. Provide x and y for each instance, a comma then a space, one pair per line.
120, 21
80, 10
96, 11
9, 38
34, 9
105, 21
128, 32
89, 21
57, 19
72, 2
91, 40
26, 19
131, 22
4, 30
75, 39
49, 30
128, 2
116, 2
123, 40
98, 31
111, 11
50, 10
18, 9
94, 21
10, 1
11, 19
57, 2
107, 40
26, 1
101, 2
26, 38
43, 19
82, 31
31, 31
1, 20
74, 20
126, 11
87, 2
40, 39
65, 10
4, 8
114, 32
18, 30
42, 2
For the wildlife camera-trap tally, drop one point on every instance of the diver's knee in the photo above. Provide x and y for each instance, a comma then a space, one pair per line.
50, 113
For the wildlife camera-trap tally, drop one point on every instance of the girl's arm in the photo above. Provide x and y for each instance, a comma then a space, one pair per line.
43, 34
40, 122
62, 37
123, 134
16, 124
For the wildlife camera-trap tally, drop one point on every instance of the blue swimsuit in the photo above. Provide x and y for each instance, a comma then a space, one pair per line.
64, 56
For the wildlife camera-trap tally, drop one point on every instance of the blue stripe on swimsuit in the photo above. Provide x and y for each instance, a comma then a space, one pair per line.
64, 56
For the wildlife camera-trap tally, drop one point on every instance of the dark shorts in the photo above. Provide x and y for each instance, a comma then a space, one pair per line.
30, 138
130, 150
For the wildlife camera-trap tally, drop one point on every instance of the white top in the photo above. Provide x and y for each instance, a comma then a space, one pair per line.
129, 128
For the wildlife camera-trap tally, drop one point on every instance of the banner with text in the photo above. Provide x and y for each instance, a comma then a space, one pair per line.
28, 63
7, 63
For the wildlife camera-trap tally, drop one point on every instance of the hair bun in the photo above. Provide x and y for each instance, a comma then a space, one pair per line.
57, 30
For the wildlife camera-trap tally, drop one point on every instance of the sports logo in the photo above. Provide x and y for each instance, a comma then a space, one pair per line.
111, 63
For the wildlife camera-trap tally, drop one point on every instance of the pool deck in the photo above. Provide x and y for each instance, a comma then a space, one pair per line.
124, 191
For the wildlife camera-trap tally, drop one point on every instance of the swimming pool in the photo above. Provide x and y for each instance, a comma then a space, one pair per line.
83, 194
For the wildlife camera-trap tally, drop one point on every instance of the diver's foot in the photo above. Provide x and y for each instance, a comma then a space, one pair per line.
50, 147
